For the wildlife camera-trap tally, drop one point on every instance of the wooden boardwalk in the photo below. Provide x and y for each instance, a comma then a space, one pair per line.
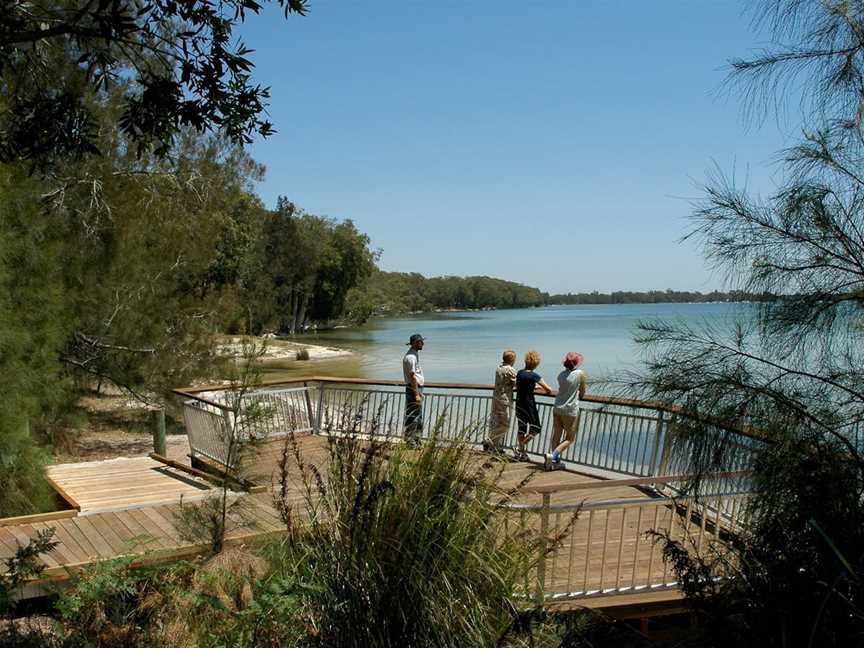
151, 532
118, 484
130, 508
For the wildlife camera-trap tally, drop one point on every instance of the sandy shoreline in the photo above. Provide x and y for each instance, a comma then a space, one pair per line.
282, 350
111, 424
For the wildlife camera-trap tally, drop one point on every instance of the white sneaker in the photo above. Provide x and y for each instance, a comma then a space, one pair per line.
547, 462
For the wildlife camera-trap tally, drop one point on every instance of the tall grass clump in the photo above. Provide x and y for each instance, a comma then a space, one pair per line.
399, 547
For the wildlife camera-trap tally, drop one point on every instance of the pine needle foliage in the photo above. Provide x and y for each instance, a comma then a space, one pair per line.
790, 373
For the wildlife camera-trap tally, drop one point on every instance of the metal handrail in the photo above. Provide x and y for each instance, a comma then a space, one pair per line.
622, 436
630, 440
193, 392
617, 502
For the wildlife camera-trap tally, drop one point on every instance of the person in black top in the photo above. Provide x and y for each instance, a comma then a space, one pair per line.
527, 380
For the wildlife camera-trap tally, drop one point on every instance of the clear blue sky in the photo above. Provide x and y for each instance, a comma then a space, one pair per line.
557, 144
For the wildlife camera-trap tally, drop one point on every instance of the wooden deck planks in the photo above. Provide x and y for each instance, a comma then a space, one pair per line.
8, 543
64, 554
139, 518
75, 532
67, 539
137, 534
120, 483
24, 534
91, 533
591, 557
168, 530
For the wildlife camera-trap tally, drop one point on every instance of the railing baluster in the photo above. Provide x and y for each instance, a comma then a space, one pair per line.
654, 546
645, 426
572, 557
523, 532
605, 548
636, 547
555, 554
608, 443
544, 530
607, 457
639, 442
628, 436
588, 546
621, 548
587, 433
702, 522
629, 424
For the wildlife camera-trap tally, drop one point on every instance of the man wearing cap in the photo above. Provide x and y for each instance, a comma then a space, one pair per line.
413, 374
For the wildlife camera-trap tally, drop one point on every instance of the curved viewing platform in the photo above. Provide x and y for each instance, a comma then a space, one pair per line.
625, 478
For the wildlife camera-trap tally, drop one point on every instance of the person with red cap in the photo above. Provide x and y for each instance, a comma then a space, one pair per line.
572, 383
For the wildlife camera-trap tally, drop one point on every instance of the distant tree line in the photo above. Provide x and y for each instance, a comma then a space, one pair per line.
393, 293
655, 297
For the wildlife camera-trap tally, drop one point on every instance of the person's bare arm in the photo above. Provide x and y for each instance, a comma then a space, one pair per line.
415, 388
542, 385
583, 385
409, 368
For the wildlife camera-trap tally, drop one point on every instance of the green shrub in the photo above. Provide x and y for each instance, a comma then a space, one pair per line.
393, 547
22, 470
114, 604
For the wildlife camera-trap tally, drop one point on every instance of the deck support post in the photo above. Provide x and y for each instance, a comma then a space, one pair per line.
157, 422
543, 548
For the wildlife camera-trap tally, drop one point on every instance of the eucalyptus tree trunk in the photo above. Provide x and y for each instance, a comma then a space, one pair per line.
300, 314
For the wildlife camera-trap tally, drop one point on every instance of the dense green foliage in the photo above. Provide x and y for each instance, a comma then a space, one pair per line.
121, 269
388, 293
185, 66
31, 334
795, 375
300, 269
403, 548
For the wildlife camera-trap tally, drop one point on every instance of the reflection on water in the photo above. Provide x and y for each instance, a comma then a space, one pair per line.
466, 347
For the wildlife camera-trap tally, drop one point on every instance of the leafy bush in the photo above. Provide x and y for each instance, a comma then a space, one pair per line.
20, 568
393, 547
114, 604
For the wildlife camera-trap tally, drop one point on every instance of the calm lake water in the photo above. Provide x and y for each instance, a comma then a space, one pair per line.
466, 347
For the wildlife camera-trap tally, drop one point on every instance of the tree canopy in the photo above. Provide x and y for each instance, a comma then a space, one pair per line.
392, 293
123, 269
793, 375
654, 297
176, 60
